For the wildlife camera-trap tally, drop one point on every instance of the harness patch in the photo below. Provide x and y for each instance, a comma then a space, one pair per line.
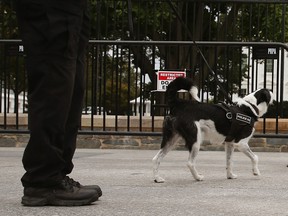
243, 118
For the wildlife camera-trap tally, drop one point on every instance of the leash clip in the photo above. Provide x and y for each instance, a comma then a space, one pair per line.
229, 115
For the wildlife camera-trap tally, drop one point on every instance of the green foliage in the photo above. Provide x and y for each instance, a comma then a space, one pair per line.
116, 82
266, 23
157, 21
8, 21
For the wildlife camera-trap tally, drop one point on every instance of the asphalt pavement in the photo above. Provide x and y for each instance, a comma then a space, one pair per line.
125, 177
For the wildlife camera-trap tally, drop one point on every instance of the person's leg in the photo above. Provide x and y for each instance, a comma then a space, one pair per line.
74, 116
75, 112
50, 36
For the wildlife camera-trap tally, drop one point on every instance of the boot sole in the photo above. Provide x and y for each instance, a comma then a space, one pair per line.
44, 201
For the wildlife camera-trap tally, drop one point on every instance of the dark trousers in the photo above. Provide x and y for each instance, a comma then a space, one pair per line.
55, 35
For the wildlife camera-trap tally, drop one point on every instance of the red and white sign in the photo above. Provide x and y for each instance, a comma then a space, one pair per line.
165, 77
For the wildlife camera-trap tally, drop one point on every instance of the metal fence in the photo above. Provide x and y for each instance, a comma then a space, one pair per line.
132, 39
118, 95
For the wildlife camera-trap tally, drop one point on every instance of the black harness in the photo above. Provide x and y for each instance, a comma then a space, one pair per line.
241, 124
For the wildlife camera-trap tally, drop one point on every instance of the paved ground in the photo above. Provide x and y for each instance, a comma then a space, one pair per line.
128, 188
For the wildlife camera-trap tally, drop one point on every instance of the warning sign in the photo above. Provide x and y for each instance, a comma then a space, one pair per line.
165, 77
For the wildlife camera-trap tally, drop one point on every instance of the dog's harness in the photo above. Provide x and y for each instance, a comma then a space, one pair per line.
240, 121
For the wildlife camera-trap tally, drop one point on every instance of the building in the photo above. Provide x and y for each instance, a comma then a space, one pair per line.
8, 101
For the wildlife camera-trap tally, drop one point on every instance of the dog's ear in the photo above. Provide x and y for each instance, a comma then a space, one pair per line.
263, 95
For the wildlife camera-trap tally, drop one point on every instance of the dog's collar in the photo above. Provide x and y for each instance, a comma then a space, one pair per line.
254, 107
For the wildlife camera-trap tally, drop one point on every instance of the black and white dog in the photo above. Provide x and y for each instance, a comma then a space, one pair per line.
194, 122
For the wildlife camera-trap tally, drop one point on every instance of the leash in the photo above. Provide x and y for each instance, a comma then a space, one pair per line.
226, 95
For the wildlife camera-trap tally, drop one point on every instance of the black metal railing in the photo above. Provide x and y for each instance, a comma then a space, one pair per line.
118, 95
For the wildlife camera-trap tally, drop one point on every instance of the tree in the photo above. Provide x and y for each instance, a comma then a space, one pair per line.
12, 73
190, 20
182, 21
113, 79
159, 19
8, 21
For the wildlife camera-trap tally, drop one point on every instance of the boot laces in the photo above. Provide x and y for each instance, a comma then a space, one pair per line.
72, 182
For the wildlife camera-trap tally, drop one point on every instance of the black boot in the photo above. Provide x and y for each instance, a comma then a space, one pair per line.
78, 185
63, 194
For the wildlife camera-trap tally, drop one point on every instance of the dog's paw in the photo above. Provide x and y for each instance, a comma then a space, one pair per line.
199, 177
159, 180
231, 176
256, 172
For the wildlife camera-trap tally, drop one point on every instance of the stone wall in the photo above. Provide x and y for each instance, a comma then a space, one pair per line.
141, 142
147, 142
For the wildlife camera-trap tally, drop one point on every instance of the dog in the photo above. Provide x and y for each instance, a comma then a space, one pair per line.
194, 122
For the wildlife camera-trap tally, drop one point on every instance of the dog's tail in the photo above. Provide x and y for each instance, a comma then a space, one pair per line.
179, 84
